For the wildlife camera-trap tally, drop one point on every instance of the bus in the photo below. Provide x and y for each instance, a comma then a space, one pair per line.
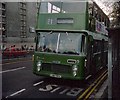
71, 39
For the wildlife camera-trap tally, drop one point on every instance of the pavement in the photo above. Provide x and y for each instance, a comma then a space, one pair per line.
102, 92
116, 83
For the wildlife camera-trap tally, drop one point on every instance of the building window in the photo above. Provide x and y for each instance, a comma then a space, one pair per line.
23, 19
3, 6
3, 20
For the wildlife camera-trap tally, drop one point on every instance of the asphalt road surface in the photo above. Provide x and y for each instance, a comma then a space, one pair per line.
18, 81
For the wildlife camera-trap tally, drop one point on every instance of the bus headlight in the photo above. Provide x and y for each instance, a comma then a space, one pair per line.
74, 68
74, 73
85, 62
39, 66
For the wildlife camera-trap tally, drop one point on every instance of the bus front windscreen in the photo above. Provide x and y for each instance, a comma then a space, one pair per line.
60, 42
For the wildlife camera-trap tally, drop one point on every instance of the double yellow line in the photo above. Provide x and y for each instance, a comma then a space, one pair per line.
92, 87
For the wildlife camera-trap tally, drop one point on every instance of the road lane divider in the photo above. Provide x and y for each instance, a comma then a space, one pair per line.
20, 91
11, 70
38, 83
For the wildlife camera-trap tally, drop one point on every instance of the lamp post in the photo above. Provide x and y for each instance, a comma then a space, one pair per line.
109, 68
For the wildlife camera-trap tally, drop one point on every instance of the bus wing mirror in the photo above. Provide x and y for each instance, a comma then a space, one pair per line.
90, 38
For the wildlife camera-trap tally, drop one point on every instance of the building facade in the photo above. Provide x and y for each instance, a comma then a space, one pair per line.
2, 21
17, 18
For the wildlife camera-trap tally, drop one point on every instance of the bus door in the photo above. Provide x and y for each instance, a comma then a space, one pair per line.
89, 58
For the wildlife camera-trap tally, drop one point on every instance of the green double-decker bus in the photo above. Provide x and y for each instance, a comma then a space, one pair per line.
71, 39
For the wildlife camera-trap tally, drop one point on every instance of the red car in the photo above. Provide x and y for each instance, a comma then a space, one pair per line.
14, 52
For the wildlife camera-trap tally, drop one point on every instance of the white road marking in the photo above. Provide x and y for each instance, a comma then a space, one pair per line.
12, 70
17, 92
20, 91
88, 77
38, 83
62, 92
55, 90
6, 96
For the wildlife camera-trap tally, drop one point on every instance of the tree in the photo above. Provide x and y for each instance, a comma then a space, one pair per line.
116, 14
112, 9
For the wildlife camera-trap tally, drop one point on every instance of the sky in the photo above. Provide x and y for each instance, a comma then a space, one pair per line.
105, 5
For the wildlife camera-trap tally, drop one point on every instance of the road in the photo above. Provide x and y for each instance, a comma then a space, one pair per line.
18, 81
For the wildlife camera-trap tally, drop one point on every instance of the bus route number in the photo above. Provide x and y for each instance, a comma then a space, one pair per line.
68, 91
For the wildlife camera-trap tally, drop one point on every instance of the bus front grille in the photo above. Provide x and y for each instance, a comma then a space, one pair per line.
56, 68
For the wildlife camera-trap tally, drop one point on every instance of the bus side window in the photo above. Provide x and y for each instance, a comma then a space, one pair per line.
83, 44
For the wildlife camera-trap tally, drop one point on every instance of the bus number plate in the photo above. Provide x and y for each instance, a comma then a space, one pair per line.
56, 76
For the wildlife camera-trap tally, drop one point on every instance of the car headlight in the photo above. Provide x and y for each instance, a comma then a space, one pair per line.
39, 66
